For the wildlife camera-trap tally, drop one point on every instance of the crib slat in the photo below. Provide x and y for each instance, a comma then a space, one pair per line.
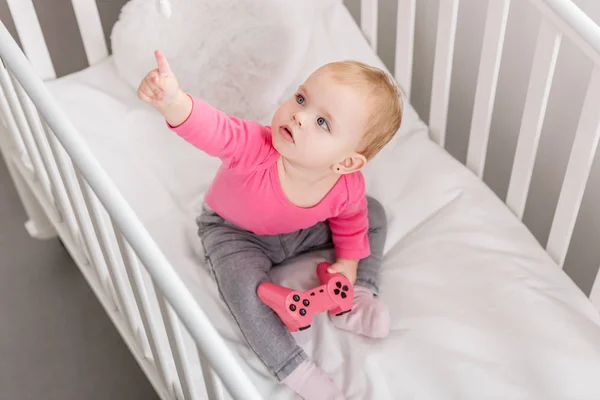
96, 219
59, 194
7, 116
442, 69
578, 171
17, 112
134, 274
368, 21
214, 386
66, 210
31, 37
91, 252
106, 246
40, 173
109, 249
595, 293
86, 230
574, 24
177, 346
197, 322
405, 35
90, 26
540, 82
487, 82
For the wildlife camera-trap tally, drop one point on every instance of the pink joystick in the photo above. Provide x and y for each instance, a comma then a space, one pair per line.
296, 308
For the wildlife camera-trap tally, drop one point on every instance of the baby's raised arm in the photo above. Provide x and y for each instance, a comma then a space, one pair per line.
161, 89
237, 142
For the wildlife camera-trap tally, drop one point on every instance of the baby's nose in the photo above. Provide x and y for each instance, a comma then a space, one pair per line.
298, 118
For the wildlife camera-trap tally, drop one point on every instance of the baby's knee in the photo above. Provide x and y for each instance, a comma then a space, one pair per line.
376, 213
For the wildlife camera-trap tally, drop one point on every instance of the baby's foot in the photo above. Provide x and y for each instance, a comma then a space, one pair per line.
369, 316
311, 383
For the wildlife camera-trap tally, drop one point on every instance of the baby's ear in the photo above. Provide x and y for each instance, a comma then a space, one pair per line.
353, 163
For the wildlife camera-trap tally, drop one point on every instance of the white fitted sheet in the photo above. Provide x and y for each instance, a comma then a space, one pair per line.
479, 311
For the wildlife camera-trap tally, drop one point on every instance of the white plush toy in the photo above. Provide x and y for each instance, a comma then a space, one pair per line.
238, 55
164, 7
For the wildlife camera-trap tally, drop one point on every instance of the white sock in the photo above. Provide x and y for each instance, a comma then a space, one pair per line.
311, 383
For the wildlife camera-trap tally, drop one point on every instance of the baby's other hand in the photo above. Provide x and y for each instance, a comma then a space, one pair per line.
160, 87
346, 267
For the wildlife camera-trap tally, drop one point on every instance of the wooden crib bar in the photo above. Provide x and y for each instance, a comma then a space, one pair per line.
85, 207
212, 383
78, 168
442, 69
90, 26
405, 42
115, 282
538, 92
487, 82
578, 171
185, 384
65, 208
573, 23
32, 37
150, 332
368, 21
39, 175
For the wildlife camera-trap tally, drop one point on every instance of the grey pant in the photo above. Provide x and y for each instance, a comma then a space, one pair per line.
241, 260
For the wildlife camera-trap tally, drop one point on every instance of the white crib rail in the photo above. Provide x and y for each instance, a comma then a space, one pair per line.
578, 172
368, 21
90, 26
442, 69
540, 81
487, 82
84, 194
405, 44
560, 18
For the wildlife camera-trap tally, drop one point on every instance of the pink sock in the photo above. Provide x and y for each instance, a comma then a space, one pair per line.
369, 316
311, 383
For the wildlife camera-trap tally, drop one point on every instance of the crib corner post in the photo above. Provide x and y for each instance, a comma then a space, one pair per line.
38, 224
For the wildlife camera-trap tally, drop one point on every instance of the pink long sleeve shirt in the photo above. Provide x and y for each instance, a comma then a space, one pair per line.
246, 190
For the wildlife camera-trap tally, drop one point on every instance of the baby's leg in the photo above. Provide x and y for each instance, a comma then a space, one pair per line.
239, 264
369, 316
369, 269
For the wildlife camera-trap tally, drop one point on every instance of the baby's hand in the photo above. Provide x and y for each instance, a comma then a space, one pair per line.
345, 267
160, 87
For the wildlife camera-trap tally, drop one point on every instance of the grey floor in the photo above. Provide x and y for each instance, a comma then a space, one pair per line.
56, 341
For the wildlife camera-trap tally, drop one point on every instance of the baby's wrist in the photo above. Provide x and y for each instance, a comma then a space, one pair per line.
178, 111
177, 101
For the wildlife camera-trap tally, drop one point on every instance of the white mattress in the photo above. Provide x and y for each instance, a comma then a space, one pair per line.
479, 311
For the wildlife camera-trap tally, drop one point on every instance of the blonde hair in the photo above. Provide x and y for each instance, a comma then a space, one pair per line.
386, 104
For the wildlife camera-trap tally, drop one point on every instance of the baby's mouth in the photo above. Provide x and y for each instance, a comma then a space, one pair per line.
287, 133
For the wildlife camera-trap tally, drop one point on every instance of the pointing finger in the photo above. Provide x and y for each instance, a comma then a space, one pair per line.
163, 66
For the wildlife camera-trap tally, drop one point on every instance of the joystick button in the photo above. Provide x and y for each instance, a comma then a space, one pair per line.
296, 297
306, 303
292, 307
343, 295
345, 287
336, 291
339, 285
302, 312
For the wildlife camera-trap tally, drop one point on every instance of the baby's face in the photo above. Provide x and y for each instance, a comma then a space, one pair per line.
322, 124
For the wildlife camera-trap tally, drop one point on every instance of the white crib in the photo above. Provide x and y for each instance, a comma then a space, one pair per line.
67, 192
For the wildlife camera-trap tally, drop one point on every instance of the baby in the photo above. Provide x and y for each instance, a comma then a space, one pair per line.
290, 188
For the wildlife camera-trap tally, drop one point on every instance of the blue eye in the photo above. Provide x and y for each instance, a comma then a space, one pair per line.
322, 123
300, 99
